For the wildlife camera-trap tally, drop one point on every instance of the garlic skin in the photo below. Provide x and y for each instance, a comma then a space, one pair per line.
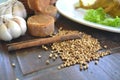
8, 9
5, 17
22, 24
12, 27
18, 9
4, 33
13, 7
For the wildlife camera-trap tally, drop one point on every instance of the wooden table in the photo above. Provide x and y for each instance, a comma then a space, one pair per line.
29, 67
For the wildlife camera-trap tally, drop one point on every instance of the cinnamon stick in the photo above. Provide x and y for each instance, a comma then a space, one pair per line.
41, 41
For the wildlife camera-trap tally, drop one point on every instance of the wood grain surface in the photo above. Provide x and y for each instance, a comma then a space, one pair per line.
29, 67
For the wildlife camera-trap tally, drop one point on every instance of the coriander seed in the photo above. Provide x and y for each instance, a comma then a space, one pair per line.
47, 62
59, 67
105, 46
96, 62
50, 56
13, 65
78, 51
17, 79
39, 56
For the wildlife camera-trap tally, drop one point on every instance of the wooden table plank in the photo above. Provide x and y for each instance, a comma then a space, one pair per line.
53, 73
94, 72
70, 73
29, 67
6, 70
29, 61
110, 66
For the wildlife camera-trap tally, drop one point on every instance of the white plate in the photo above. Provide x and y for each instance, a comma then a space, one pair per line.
66, 8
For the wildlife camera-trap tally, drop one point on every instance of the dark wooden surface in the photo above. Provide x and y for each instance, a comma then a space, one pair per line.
29, 67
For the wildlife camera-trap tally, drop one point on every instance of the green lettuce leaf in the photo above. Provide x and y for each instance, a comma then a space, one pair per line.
99, 16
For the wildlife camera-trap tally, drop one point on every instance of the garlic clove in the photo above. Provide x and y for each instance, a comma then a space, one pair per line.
8, 9
2, 10
4, 34
6, 16
22, 23
13, 29
19, 10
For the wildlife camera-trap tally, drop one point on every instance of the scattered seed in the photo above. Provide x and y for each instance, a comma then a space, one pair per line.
39, 56
17, 79
96, 62
56, 55
81, 68
85, 67
105, 46
54, 58
62, 65
79, 51
44, 47
50, 56
59, 67
47, 62
13, 64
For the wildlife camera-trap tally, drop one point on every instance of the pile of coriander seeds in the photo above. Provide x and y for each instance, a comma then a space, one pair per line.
79, 51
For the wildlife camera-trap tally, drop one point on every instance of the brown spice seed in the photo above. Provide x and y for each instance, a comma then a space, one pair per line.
54, 58
62, 65
59, 67
85, 67
56, 55
78, 51
39, 56
17, 79
105, 46
44, 47
81, 68
47, 62
96, 62
50, 56
13, 64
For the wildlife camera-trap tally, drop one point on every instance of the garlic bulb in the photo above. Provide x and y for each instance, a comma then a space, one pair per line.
13, 7
11, 27
18, 9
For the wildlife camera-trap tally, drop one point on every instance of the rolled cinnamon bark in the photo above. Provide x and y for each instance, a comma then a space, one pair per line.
41, 41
